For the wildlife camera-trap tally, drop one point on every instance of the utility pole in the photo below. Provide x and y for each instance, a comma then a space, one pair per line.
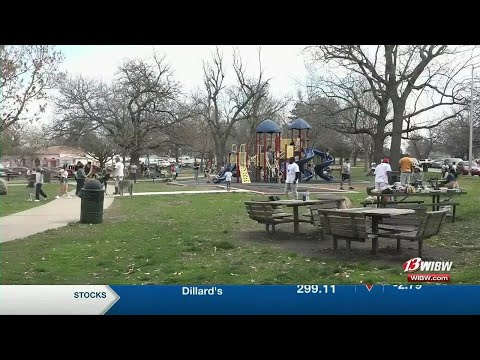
470, 142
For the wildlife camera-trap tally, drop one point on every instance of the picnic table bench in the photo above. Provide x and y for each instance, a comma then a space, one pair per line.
385, 203
429, 225
348, 226
264, 212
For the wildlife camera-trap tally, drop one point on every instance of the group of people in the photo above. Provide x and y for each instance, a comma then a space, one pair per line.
411, 174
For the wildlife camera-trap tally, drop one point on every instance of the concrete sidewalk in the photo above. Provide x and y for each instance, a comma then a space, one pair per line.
54, 214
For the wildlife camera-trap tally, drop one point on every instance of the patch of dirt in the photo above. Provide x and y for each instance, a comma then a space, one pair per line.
309, 244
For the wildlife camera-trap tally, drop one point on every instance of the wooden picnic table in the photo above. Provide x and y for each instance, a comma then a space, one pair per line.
434, 194
295, 204
376, 214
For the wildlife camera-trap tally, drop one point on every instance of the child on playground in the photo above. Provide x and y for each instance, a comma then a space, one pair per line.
228, 179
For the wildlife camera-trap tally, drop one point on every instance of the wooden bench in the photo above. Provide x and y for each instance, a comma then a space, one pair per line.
345, 226
265, 213
404, 223
430, 225
444, 203
325, 204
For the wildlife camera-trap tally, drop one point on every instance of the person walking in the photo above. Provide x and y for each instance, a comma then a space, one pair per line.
39, 171
118, 174
346, 174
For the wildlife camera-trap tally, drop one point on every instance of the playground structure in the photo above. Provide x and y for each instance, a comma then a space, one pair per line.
237, 164
269, 164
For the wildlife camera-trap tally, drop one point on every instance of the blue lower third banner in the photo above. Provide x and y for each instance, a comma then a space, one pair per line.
297, 300
240, 299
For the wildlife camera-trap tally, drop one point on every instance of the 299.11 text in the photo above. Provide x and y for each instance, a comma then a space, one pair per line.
315, 289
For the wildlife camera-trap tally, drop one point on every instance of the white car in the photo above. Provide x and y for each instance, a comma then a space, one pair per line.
186, 161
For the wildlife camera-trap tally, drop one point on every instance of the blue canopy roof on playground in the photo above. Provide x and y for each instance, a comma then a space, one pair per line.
268, 127
299, 124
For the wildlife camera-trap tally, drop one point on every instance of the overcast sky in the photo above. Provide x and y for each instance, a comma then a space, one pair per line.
284, 64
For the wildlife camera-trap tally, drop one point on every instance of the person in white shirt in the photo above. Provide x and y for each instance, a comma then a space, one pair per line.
63, 183
117, 174
346, 174
293, 175
381, 174
228, 179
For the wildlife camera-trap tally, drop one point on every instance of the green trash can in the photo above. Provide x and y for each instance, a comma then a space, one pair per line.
92, 195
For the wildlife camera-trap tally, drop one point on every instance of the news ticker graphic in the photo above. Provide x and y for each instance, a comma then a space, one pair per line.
56, 299
411, 299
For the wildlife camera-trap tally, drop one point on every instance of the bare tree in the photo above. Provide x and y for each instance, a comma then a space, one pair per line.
421, 146
99, 146
27, 72
224, 106
407, 82
143, 100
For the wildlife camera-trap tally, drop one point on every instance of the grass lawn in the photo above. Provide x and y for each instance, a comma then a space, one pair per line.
163, 187
16, 200
209, 239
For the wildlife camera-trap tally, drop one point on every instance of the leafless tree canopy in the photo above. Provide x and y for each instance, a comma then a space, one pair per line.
142, 102
27, 72
406, 81
223, 105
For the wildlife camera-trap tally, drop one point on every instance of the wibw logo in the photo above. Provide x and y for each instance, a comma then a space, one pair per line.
416, 264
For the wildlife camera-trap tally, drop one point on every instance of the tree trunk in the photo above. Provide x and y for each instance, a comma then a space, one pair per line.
378, 142
220, 153
134, 158
396, 144
366, 166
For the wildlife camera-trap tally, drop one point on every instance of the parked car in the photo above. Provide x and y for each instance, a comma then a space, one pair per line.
475, 169
186, 161
429, 162
437, 164
21, 169
450, 161
9, 173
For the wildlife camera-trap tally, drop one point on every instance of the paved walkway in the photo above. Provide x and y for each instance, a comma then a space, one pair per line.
61, 212
52, 215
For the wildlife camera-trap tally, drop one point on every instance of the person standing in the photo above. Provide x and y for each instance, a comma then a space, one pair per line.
406, 169
118, 174
346, 174
196, 168
133, 173
39, 171
208, 171
63, 183
88, 169
381, 174
228, 179
177, 170
81, 177
293, 175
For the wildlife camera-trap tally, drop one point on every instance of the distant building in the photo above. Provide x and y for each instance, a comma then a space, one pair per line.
56, 156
